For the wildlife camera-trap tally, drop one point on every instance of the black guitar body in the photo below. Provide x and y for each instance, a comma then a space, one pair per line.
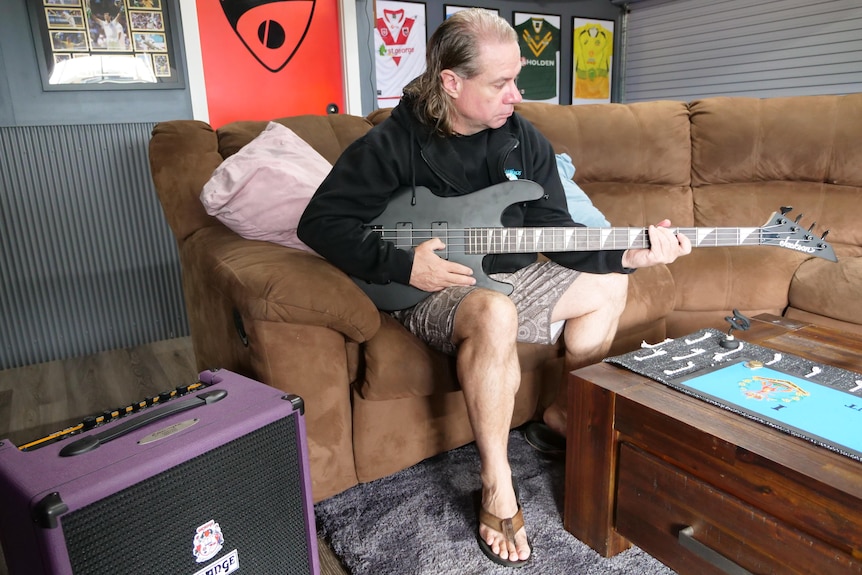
408, 225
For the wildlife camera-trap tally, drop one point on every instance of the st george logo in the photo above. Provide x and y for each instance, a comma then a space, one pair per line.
272, 30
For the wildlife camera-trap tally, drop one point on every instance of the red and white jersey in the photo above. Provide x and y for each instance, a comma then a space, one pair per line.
399, 37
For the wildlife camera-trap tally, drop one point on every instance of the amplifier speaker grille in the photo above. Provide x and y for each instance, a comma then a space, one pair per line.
251, 486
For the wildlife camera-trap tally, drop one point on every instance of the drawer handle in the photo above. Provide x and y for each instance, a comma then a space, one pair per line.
714, 558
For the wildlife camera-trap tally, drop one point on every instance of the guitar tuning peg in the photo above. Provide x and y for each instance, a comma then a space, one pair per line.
826, 233
786, 209
799, 217
812, 226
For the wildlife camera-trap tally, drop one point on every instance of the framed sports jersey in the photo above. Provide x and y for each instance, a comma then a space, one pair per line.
539, 39
399, 39
593, 46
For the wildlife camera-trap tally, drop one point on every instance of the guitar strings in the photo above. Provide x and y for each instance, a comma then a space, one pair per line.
633, 237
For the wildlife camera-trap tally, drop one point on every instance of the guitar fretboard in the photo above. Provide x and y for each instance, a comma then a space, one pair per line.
528, 240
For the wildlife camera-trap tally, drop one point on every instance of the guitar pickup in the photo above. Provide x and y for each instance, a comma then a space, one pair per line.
441, 230
404, 236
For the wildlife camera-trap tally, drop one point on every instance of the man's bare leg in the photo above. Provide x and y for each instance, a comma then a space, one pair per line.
486, 327
591, 307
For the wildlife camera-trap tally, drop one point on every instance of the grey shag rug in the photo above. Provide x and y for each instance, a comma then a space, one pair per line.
421, 521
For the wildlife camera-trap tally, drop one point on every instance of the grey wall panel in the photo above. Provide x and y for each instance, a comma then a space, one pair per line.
87, 262
5, 95
688, 49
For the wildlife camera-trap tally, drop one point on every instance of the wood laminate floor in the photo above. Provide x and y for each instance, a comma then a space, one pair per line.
39, 399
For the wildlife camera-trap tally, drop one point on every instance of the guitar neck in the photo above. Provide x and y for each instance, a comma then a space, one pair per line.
528, 240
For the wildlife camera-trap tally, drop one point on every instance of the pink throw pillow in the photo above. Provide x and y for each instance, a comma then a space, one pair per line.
261, 191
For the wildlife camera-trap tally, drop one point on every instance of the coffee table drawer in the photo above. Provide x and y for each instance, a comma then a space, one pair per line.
720, 534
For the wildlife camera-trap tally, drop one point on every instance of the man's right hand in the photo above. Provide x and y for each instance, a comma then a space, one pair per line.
432, 273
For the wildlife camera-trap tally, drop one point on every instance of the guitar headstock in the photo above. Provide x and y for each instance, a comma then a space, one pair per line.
784, 232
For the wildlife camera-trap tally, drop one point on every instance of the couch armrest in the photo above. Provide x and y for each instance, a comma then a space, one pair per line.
269, 282
183, 155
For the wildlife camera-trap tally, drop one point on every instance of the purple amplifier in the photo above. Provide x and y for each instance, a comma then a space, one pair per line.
207, 479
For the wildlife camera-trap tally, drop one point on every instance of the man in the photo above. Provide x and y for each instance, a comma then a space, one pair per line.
455, 132
115, 34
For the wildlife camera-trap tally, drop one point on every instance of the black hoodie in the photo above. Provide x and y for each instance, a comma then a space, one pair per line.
402, 153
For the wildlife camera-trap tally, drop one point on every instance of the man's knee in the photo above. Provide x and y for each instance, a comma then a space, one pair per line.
617, 289
486, 311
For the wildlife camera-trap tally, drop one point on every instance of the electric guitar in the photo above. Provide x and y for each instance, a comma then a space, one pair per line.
470, 227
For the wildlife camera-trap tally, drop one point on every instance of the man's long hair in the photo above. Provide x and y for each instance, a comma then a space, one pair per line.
455, 45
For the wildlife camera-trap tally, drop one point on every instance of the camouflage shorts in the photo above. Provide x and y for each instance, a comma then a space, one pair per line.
537, 289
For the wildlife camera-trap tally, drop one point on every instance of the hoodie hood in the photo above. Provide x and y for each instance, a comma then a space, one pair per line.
444, 160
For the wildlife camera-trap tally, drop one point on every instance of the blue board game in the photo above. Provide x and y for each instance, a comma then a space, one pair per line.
827, 415
814, 401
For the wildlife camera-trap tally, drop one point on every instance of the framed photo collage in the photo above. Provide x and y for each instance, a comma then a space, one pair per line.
104, 44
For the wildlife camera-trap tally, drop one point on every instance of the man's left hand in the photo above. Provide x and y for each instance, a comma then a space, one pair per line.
665, 247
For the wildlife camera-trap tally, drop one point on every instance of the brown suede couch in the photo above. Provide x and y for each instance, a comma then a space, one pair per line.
378, 400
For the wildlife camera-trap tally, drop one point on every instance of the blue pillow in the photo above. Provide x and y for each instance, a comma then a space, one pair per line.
580, 207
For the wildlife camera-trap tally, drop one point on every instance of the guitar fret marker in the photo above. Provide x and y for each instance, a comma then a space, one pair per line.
702, 234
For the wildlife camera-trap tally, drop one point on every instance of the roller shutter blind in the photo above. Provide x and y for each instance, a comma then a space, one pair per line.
689, 49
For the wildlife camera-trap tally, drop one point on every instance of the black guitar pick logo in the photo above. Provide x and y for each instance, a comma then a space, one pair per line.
272, 30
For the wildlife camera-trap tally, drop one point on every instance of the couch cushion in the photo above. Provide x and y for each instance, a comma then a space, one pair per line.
633, 161
723, 278
829, 289
399, 365
808, 138
261, 191
653, 137
750, 156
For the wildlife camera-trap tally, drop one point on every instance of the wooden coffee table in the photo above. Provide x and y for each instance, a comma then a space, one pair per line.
702, 489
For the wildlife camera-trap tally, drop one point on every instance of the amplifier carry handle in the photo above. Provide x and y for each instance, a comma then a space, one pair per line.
91, 442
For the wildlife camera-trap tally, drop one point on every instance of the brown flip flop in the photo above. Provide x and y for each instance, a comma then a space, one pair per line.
508, 527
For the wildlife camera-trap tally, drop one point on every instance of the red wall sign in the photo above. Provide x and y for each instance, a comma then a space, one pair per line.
264, 59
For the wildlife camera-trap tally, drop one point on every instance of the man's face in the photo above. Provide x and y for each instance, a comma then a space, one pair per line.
488, 99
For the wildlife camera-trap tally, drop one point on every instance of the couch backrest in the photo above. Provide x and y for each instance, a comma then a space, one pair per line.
750, 156
623, 154
329, 135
